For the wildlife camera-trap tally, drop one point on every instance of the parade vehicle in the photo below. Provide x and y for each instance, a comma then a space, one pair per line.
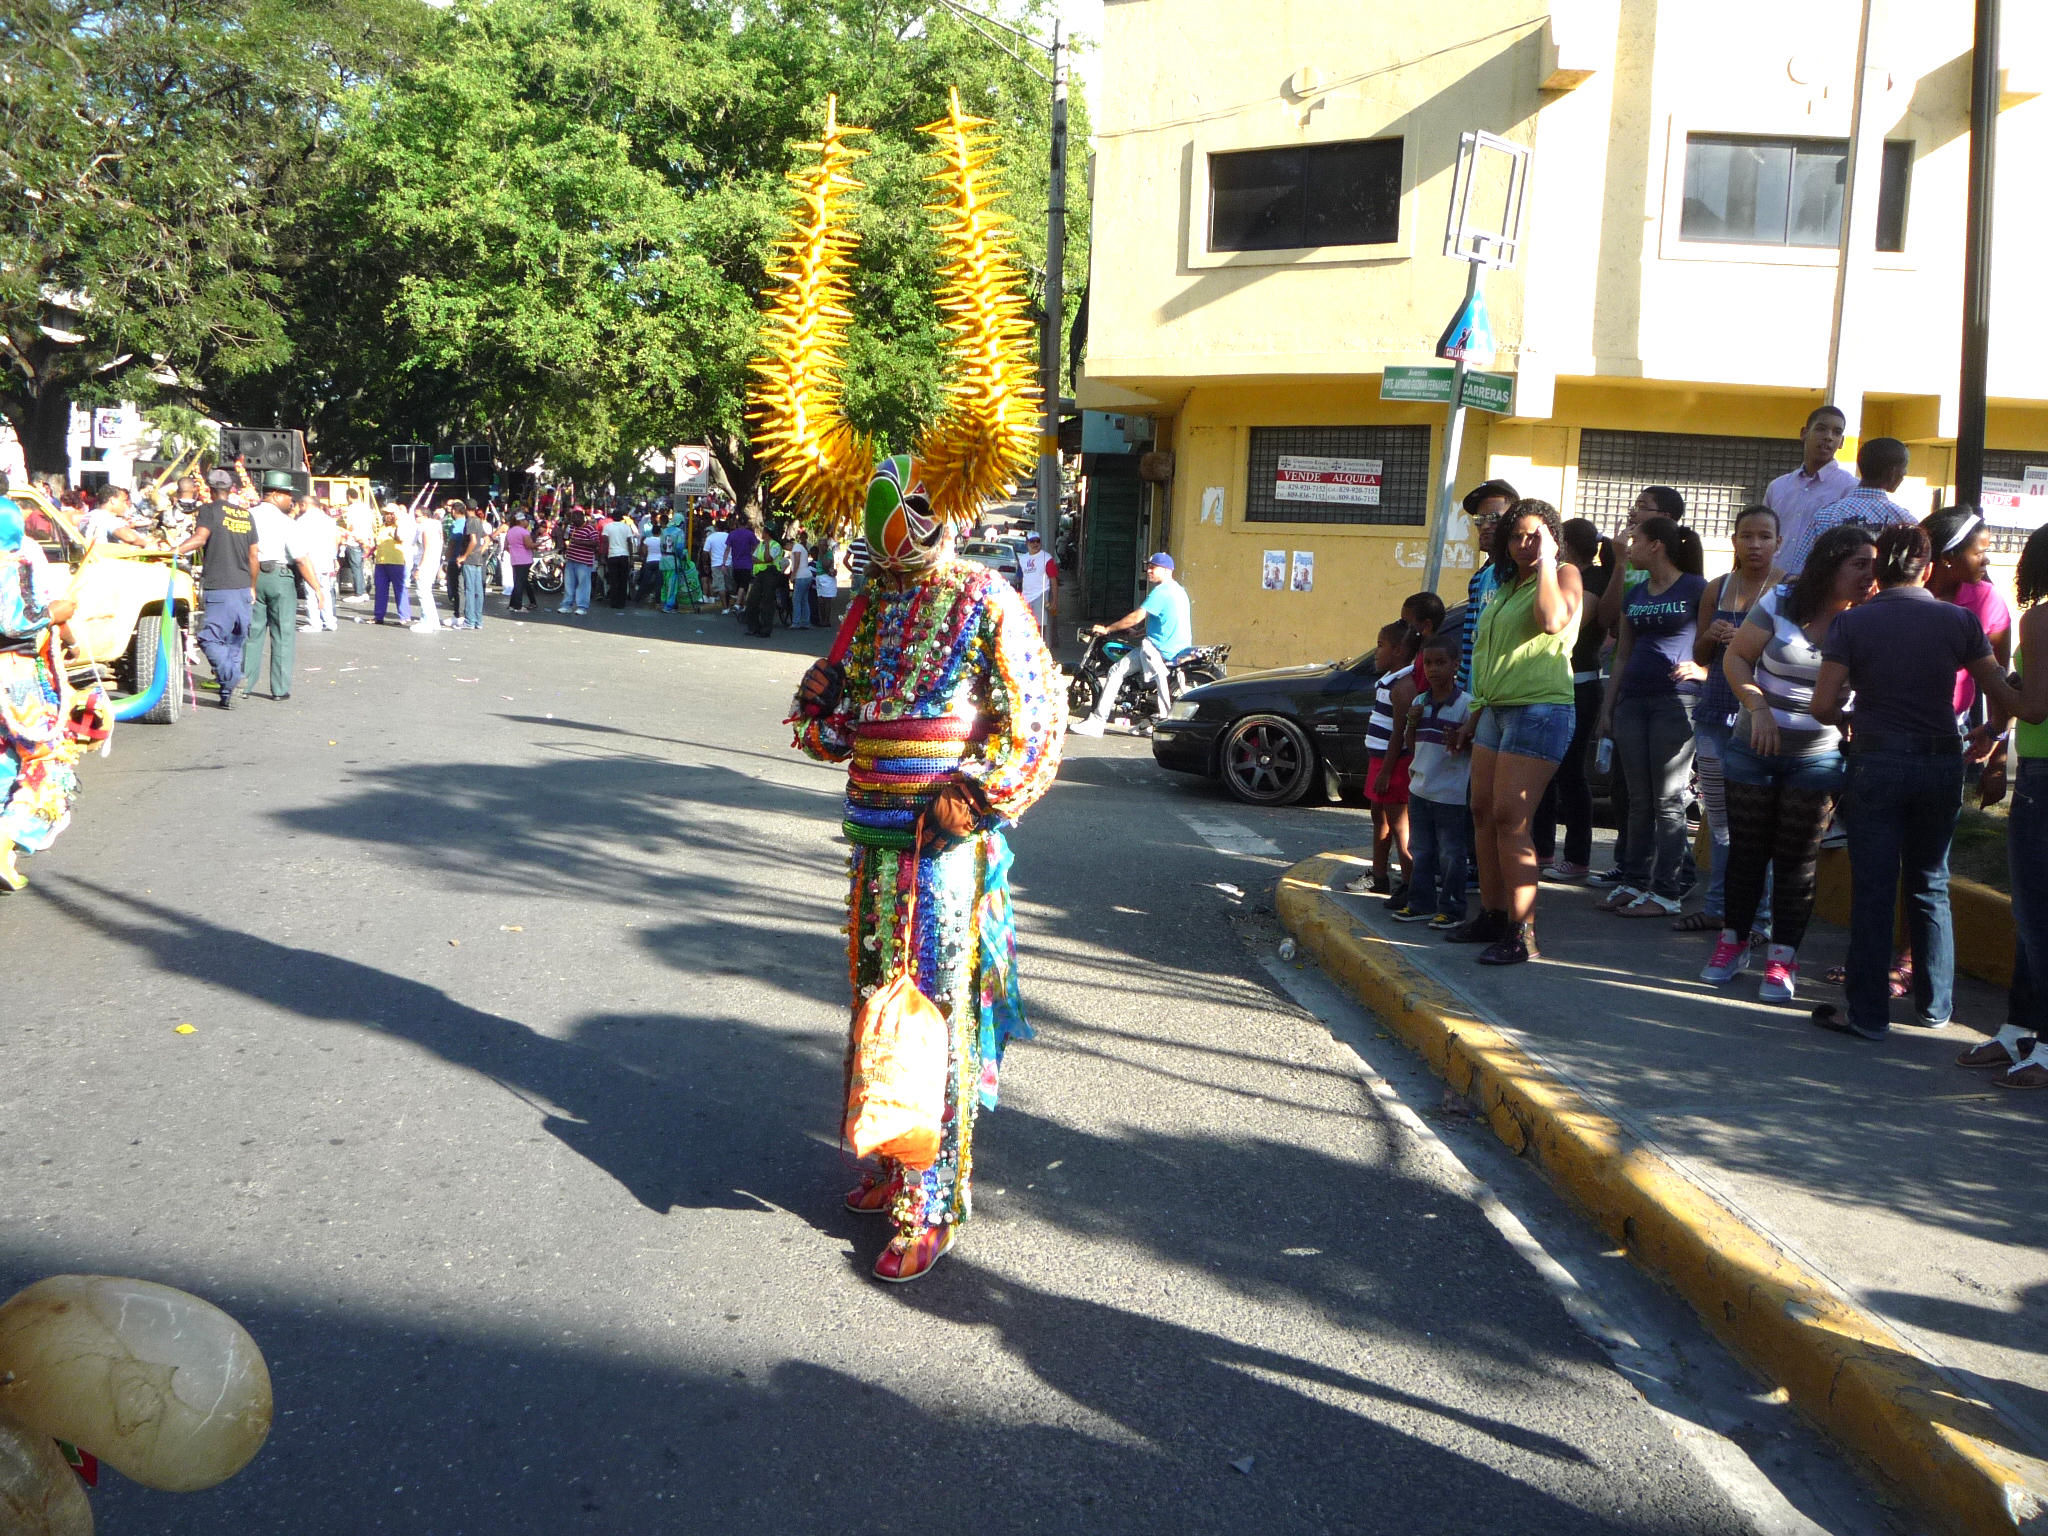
135, 607
1192, 668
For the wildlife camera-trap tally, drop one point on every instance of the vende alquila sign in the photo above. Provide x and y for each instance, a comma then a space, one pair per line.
1301, 478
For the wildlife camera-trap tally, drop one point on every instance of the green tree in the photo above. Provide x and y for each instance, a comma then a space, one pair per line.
146, 150
579, 200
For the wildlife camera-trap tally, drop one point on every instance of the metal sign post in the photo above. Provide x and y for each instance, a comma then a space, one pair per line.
1468, 341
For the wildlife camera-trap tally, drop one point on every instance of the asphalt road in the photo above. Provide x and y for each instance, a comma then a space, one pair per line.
508, 1124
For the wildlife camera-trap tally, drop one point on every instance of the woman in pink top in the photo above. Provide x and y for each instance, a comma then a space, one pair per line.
519, 548
1962, 575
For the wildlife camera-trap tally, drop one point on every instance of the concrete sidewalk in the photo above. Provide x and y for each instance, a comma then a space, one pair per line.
1854, 1218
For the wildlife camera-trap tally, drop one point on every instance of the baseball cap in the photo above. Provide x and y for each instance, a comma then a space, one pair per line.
220, 480
1162, 560
1033, 538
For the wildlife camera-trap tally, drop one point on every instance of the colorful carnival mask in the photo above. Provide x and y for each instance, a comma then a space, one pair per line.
989, 429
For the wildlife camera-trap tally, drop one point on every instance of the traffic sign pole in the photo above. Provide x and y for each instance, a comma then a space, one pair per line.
1454, 438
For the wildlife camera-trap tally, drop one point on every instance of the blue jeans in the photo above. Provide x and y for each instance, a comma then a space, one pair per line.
1439, 837
1541, 731
473, 595
2026, 834
576, 585
225, 631
1653, 746
800, 602
1902, 816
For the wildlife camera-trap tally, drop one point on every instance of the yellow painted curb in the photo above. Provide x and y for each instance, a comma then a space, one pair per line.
1950, 1454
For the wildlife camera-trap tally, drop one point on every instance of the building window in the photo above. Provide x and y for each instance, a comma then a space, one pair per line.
1306, 196
1718, 476
1744, 191
1338, 475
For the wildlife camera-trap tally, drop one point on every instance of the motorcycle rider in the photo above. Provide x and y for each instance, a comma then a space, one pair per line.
1168, 630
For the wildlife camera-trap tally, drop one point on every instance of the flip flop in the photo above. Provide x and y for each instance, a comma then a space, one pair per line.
1827, 1016
2032, 1075
1989, 1053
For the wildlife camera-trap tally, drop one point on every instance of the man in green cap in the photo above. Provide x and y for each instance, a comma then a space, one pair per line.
280, 548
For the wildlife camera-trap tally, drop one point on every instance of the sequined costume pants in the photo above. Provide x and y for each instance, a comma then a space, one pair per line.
941, 937
38, 764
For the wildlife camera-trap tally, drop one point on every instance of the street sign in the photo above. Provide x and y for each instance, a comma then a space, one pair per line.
1468, 339
693, 471
1427, 386
1489, 392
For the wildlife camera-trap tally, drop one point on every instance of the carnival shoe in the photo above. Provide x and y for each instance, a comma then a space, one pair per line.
913, 1251
11, 877
874, 1194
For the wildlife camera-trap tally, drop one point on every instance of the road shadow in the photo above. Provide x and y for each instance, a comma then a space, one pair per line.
614, 1091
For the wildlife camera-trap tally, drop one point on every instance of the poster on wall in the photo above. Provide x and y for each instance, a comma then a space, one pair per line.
1300, 477
1212, 505
2016, 503
1273, 571
1304, 578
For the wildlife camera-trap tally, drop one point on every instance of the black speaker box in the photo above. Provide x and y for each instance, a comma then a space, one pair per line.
262, 448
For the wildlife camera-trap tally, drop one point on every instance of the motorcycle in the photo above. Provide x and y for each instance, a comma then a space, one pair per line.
1135, 699
546, 574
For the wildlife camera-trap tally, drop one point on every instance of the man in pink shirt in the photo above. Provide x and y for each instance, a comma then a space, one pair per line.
1818, 481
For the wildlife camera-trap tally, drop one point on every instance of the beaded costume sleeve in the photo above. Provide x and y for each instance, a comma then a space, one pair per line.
1020, 755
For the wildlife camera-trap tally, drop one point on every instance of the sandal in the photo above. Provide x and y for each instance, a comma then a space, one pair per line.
1902, 977
1699, 922
1990, 1053
913, 1251
1650, 904
1828, 1016
2031, 1075
1836, 975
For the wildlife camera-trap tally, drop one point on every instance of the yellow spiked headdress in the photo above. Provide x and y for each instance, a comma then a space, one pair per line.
988, 430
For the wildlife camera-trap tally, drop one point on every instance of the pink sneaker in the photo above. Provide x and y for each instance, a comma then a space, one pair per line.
1730, 959
1781, 974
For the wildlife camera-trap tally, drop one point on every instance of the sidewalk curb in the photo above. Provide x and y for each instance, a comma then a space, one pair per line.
1946, 1452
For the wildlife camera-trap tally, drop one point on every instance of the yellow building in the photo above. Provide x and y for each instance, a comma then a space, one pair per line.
1270, 203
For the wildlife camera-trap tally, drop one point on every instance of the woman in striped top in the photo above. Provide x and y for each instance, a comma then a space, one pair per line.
1784, 769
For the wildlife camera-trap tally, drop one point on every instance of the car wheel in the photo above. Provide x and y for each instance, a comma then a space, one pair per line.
148, 642
1267, 760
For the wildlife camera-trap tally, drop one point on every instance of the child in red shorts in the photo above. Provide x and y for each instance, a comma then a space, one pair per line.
1386, 772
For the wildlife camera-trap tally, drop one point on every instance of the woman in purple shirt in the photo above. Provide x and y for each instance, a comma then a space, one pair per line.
519, 549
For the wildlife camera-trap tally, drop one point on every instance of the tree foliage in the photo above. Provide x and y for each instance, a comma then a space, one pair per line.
148, 154
579, 200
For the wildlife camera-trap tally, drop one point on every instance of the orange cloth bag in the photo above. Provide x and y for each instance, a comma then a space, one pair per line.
896, 1083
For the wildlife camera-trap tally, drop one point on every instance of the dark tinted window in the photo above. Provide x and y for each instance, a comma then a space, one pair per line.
1315, 194
1749, 191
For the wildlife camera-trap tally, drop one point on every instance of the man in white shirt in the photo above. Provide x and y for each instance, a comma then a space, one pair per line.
1881, 464
320, 539
359, 539
620, 535
721, 573
1818, 482
279, 551
1041, 574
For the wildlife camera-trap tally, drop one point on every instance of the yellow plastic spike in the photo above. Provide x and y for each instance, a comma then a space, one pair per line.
809, 452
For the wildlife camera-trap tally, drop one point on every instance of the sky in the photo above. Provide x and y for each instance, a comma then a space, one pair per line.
1084, 19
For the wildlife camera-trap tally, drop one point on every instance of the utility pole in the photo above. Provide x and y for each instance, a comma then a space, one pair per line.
1454, 445
1977, 257
1055, 302
1053, 332
1864, 175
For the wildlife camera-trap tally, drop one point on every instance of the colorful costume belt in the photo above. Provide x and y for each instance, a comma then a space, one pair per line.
898, 766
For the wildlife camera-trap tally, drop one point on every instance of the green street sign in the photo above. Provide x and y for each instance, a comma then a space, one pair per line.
1490, 392
1425, 386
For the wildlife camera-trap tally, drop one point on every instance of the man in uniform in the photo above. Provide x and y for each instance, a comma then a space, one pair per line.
280, 549
227, 579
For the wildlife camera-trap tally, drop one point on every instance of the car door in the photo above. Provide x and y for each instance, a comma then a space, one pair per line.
1340, 716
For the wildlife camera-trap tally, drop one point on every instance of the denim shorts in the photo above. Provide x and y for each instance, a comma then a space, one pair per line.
1528, 730
1822, 771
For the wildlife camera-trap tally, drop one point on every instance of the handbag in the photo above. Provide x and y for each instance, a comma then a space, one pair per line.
896, 1071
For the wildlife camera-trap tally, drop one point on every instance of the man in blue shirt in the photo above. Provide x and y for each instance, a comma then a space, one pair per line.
1168, 631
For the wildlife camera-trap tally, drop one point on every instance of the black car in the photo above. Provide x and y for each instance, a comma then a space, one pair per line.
1272, 736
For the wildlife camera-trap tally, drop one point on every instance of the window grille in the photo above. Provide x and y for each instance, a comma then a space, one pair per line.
1404, 458
1718, 476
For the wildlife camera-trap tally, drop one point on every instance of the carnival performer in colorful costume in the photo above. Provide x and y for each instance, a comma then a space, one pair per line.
45, 726
940, 692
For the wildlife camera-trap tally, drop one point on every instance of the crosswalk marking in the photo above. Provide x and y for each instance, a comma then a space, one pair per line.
1233, 838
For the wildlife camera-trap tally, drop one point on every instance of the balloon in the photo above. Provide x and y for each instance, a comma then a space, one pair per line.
39, 1493
159, 1385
